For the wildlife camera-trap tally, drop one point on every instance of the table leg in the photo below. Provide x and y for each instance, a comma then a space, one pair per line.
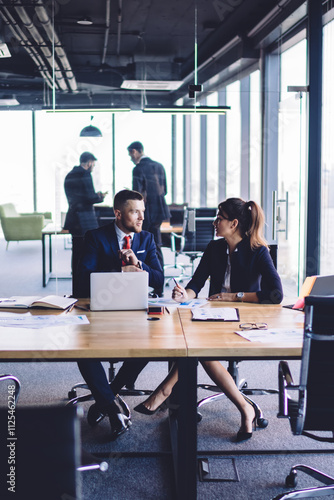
43, 261
184, 434
50, 253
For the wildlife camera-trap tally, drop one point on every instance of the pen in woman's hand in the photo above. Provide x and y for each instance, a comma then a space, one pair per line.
177, 286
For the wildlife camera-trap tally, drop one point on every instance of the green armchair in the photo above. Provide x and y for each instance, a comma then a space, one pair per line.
22, 227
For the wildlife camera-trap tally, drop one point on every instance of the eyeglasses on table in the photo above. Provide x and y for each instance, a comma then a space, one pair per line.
253, 326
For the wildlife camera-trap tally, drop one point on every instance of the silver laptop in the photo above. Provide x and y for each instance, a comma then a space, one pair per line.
323, 285
118, 291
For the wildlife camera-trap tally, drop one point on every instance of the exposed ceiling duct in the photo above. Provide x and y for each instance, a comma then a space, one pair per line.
37, 48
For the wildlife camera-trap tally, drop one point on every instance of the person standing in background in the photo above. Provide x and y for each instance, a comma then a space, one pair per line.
81, 196
149, 179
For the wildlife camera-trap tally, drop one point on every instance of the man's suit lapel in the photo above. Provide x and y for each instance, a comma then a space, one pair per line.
136, 242
113, 240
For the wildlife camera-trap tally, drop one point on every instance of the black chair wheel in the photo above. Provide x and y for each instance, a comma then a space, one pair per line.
72, 394
291, 480
262, 423
199, 417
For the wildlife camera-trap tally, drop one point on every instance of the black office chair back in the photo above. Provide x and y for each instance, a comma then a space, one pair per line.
44, 452
199, 230
316, 401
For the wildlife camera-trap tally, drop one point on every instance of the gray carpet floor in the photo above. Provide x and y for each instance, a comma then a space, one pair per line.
261, 476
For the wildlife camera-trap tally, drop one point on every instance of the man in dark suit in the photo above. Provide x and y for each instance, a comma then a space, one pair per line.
104, 251
81, 196
149, 178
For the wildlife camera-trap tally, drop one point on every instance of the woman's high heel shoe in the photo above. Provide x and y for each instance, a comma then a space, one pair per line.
243, 435
141, 408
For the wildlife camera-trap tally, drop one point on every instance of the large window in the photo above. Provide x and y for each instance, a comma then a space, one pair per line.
327, 180
179, 170
233, 135
154, 132
212, 153
292, 149
17, 163
255, 138
58, 148
195, 182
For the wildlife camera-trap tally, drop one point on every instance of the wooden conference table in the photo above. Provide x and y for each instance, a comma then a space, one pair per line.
124, 334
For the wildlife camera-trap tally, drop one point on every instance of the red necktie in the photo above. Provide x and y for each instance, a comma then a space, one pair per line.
126, 245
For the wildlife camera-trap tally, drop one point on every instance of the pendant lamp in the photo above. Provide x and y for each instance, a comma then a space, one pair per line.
90, 131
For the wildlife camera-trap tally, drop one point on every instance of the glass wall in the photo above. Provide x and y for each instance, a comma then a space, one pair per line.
58, 149
233, 140
179, 168
327, 173
154, 132
292, 150
255, 176
195, 183
212, 153
17, 160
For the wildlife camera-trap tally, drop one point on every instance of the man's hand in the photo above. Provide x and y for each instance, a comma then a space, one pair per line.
128, 257
132, 269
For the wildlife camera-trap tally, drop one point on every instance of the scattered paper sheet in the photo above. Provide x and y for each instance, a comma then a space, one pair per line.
189, 304
273, 335
27, 321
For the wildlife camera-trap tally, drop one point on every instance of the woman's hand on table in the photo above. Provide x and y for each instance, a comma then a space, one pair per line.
226, 297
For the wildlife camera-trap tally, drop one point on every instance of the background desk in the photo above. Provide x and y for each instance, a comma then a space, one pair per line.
50, 230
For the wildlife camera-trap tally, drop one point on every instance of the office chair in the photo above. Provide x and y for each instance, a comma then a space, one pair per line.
45, 455
233, 369
197, 233
313, 408
177, 244
129, 390
16, 382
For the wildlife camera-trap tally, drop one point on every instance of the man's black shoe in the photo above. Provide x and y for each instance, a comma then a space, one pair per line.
94, 415
119, 417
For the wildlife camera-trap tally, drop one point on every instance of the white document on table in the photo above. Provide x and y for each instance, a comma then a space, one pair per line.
283, 336
215, 314
189, 304
14, 320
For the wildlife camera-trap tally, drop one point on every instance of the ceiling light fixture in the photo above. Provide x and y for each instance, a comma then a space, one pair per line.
90, 131
4, 50
151, 84
85, 21
187, 110
8, 101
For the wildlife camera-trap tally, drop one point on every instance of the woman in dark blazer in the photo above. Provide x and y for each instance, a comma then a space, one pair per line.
240, 269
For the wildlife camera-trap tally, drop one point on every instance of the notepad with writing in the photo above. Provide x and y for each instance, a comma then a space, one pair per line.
215, 314
49, 302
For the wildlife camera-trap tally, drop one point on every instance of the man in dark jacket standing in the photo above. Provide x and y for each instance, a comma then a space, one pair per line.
81, 217
149, 179
81, 196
